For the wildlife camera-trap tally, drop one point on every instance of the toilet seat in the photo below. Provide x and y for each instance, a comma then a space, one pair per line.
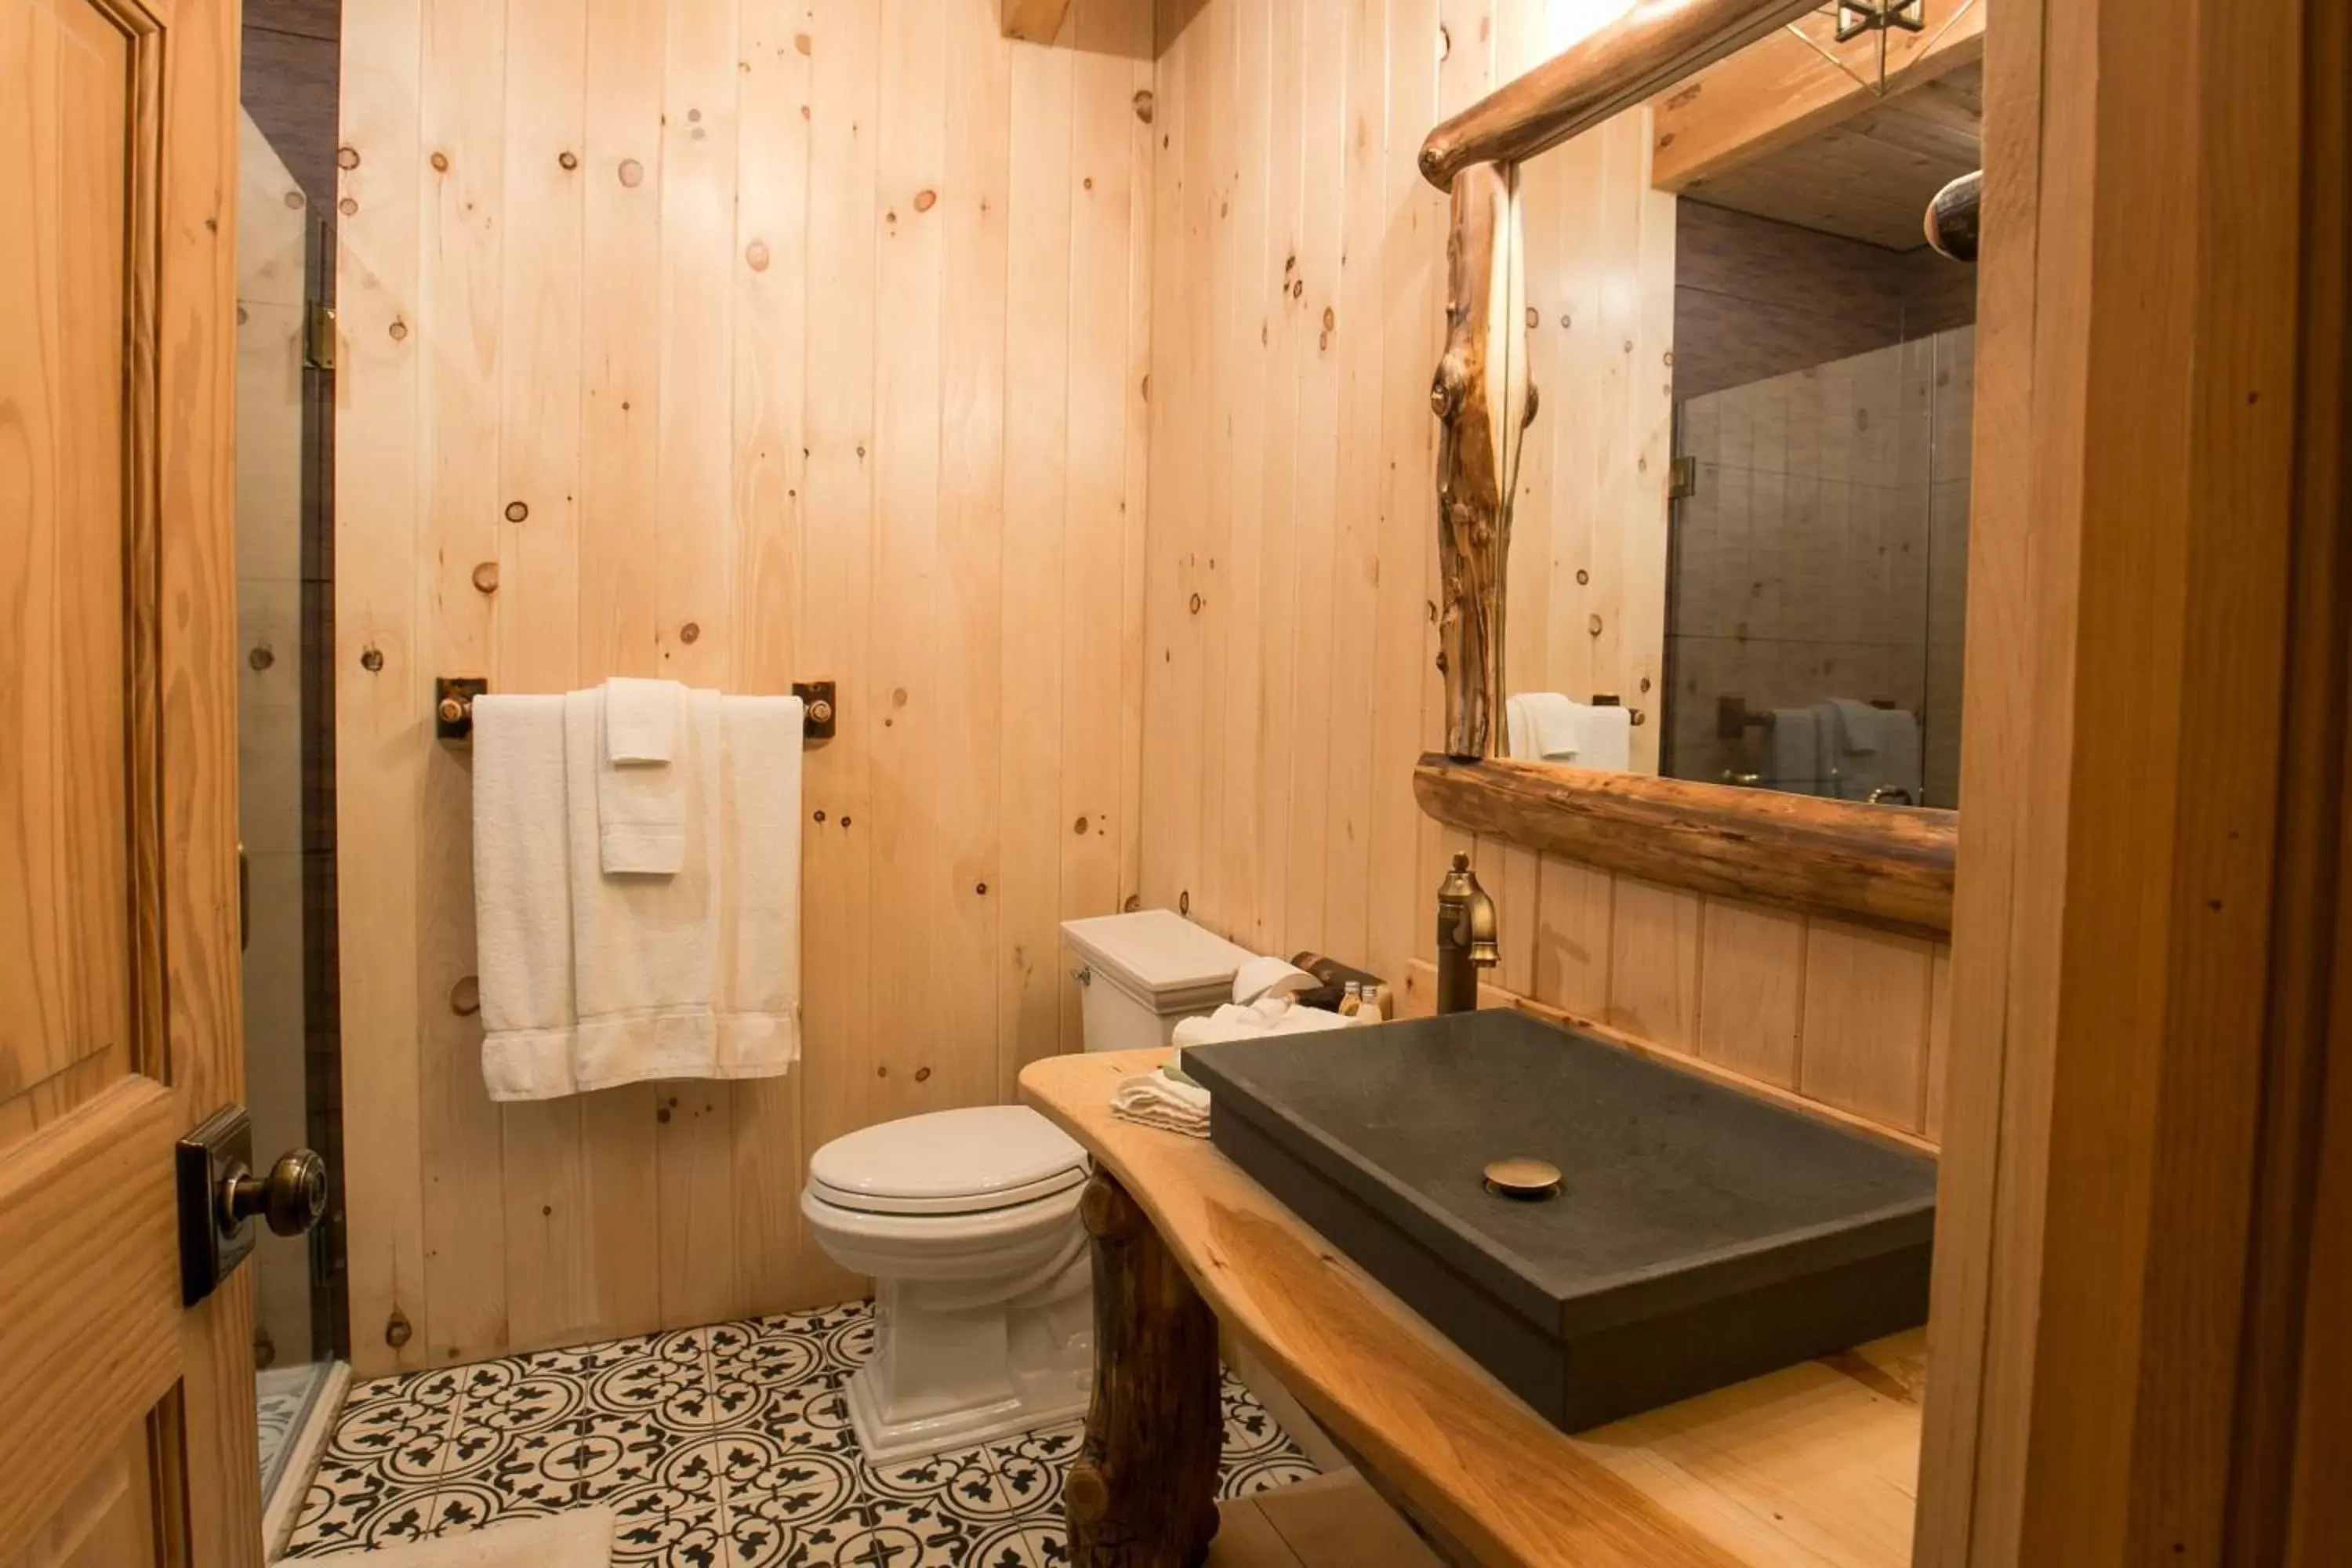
948, 1163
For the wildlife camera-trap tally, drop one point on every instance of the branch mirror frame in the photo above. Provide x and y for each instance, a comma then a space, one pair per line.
1886, 866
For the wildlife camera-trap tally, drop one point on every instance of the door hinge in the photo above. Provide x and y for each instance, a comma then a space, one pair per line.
1682, 479
319, 336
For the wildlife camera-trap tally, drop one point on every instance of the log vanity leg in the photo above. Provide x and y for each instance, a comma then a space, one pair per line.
1143, 1493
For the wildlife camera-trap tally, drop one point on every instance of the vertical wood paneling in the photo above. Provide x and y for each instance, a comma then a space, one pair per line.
1036, 416
969, 721
911, 1021
550, 1248
1751, 982
773, 1258
1865, 1028
836, 603
620, 407
1654, 962
824, 355
1576, 907
380, 680
460, 326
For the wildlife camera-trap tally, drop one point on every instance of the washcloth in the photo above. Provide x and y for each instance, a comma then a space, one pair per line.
522, 896
760, 886
1155, 1099
643, 946
641, 719
641, 806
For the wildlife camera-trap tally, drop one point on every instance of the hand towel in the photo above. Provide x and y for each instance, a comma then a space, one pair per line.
643, 946
641, 719
522, 896
1792, 751
1859, 725
1603, 738
1519, 735
760, 886
1554, 728
640, 807
1155, 1099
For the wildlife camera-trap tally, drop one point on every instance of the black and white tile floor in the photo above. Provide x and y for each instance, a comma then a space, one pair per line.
724, 1445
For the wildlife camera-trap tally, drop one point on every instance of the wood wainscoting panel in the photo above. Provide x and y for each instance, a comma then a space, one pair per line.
1654, 964
1838, 1019
740, 343
1751, 990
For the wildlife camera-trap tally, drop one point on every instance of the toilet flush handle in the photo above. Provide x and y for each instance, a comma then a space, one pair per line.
1084, 975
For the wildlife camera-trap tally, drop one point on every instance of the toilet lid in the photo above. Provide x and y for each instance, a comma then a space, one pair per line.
949, 1162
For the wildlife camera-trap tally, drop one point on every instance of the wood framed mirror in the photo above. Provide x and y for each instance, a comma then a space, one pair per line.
1737, 510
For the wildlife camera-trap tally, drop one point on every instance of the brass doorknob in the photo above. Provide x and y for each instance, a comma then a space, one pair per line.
292, 1197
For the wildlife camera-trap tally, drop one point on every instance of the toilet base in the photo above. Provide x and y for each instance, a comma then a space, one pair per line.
883, 1441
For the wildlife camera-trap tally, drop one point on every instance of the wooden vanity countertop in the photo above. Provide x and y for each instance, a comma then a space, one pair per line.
1814, 1464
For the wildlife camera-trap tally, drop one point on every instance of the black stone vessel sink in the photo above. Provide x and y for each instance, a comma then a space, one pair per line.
1700, 1235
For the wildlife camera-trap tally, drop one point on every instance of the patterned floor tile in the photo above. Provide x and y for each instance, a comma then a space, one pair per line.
727, 1446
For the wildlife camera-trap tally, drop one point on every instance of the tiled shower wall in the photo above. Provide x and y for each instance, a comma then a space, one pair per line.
1824, 551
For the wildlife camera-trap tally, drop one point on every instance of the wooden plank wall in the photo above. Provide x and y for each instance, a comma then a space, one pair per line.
1296, 316
1849, 1016
1298, 313
1290, 641
744, 341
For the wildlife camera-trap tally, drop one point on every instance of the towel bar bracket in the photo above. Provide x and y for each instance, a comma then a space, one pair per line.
822, 710
453, 706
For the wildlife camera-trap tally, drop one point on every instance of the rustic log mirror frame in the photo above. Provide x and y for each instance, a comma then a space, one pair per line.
1884, 865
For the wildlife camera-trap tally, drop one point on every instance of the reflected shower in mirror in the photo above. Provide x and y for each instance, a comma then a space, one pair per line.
1796, 622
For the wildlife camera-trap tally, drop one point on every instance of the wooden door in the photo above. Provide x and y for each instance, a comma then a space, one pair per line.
126, 1421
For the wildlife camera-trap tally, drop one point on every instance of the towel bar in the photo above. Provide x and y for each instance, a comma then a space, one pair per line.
453, 708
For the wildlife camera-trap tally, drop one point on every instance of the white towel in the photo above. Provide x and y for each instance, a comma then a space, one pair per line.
522, 896
1554, 728
1859, 725
1519, 739
1604, 738
1155, 1099
760, 886
640, 807
641, 719
1899, 739
1793, 753
1267, 1016
643, 946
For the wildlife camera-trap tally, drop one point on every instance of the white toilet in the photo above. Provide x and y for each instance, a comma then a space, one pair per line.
968, 1220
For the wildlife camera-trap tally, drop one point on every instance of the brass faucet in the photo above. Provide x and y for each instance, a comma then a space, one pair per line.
1466, 938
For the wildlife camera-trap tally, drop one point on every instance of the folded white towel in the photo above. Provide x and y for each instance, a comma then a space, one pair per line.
1794, 751
1859, 725
641, 719
1519, 735
1603, 737
522, 896
640, 809
1898, 741
760, 886
1550, 729
643, 946
1155, 1099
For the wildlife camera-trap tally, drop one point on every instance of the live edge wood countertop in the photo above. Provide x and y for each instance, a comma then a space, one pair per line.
1815, 1464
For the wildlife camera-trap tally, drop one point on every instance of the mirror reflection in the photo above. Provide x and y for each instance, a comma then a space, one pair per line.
1793, 619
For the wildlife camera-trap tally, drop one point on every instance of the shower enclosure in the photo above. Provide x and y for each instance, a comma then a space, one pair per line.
286, 802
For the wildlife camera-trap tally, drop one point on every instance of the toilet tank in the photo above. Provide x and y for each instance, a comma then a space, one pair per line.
1139, 974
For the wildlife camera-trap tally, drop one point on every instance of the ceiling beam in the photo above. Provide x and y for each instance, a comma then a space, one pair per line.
1038, 21
1779, 91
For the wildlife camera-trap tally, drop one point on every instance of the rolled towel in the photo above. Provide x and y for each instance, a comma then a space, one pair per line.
1155, 1099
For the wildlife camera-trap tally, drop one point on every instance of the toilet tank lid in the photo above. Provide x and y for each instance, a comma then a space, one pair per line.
992, 1150
1158, 954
